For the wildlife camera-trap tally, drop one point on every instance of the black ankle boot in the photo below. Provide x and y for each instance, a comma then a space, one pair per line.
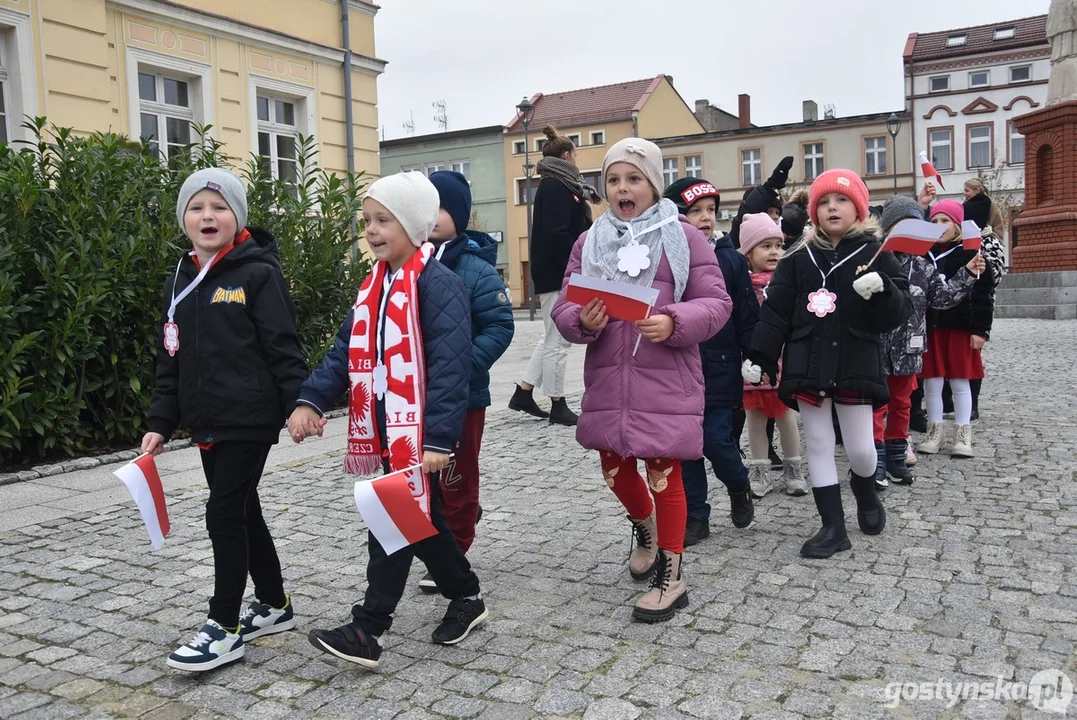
741, 508
560, 414
524, 401
881, 482
832, 537
870, 512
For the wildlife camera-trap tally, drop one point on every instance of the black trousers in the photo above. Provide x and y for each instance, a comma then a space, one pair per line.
387, 575
238, 532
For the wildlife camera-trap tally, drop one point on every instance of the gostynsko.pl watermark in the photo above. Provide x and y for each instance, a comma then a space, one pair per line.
1049, 691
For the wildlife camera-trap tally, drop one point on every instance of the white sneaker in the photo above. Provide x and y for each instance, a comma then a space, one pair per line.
910, 456
261, 619
932, 440
759, 478
795, 483
212, 647
962, 442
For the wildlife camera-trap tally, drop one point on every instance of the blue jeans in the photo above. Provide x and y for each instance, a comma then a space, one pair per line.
721, 449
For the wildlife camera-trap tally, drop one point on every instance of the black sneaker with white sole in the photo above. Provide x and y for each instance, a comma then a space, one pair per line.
210, 648
348, 642
261, 619
462, 616
427, 584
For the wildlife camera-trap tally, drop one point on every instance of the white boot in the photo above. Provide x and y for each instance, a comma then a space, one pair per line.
759, 478
962, 442
933, 439
795, 484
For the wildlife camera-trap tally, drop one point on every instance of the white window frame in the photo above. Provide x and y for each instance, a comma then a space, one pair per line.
1021, 67
434, 167
931, 84
458, 166
755, 163
985, 73
875, 152
818, 168
518, 147
199, 78
20, 87
932, 145
411, 168
1006, 33
988, 140
306, 110
671, 170
5, 119
539, 142
598, 132
575, 138
164, 112
957, 40
694, 171
1013, 134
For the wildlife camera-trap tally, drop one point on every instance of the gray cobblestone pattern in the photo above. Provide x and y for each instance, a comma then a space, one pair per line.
974, 578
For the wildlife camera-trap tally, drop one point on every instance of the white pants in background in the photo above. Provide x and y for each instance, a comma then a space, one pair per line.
549, 361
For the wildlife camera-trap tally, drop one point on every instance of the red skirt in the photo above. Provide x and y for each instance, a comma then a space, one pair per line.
767, 402
949, 355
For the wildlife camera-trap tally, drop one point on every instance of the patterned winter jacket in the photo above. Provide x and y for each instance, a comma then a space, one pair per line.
903, 348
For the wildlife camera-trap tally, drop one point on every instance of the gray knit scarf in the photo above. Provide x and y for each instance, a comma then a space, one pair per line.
569, 174
654, 229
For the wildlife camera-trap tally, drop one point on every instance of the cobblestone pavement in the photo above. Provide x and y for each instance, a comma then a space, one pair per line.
974, 579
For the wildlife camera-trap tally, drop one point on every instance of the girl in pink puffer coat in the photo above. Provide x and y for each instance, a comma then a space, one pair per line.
648, 403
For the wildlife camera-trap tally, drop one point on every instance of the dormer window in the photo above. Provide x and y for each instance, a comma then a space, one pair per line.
957, 40
1006, 33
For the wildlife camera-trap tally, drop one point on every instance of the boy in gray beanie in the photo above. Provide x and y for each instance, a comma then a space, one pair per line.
229, 366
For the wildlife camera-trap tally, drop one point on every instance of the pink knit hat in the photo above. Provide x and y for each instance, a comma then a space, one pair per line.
756, 228
841, 181
951, 209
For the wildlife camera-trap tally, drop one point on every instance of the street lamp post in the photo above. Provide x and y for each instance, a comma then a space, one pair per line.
893, 125
526, 110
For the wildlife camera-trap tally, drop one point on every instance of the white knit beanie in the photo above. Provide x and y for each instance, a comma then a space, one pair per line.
641, 153
220, 181
412, 199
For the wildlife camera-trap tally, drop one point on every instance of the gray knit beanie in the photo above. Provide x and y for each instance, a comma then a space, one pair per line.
898, 208
641, 153
220, 181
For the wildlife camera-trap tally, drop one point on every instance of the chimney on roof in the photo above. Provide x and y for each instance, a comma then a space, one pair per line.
744, 110
669, 79
811, 111
702, 105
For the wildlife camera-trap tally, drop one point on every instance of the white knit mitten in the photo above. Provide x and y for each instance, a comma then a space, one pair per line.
751, 372
868, 285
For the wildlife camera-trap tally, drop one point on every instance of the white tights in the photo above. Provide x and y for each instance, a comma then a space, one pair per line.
857, 436
786, 426
962, 393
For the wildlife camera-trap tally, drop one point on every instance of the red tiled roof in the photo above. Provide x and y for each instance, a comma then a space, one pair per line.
1028, 32
596, 104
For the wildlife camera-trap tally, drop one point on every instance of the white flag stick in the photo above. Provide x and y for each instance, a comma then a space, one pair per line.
640, 336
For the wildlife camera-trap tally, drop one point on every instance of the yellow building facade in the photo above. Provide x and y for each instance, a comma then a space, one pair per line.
258, 72
594, 119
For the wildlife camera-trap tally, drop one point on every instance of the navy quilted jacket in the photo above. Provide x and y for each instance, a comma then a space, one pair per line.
446, 325
473, 256
721, 353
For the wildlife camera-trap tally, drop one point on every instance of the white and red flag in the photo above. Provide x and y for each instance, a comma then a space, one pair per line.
929, 170
913, 237
144, 484
971, 237
623, 300
391, 511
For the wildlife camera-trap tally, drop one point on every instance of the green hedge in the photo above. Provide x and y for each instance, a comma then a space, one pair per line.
88, 235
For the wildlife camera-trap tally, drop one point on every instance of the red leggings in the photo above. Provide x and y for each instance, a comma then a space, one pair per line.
666, 486
897, 411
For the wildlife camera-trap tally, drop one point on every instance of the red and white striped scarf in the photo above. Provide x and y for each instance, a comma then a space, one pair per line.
399, 377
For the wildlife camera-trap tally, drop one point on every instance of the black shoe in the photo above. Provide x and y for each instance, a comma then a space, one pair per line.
560, 414
881, 483
461, 617
832, 537
696, 529
975, 414
895, 462
918, 422
427, 584
775, 461
478, 515
741, 508
870, 512
524, 401
348, 642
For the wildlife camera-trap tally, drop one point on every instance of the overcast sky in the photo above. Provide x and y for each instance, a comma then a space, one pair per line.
470, 53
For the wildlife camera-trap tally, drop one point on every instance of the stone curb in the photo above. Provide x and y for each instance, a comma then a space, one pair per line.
85, 463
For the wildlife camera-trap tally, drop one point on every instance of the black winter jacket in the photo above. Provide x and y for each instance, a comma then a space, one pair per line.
560, 218
722, 354
445, 317
237, 372
839, 351
977, 310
